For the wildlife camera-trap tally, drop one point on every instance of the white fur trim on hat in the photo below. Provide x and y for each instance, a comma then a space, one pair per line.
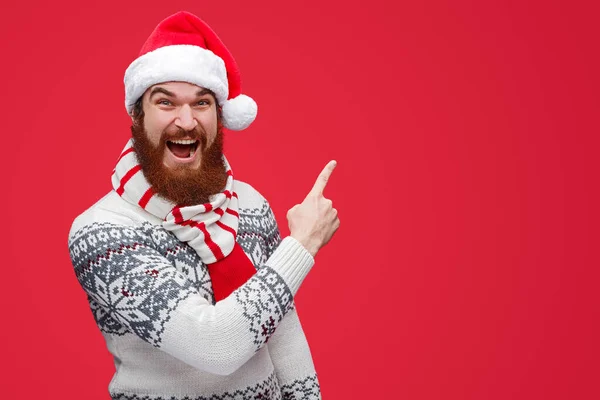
239, 112
182, 62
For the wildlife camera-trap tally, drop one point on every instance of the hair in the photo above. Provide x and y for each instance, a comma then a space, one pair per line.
138, 109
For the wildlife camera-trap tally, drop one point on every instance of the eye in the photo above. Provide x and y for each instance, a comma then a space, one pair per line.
164, 102
203, 102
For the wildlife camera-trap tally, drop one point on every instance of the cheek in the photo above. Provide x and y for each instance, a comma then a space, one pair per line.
154, 128
209, 123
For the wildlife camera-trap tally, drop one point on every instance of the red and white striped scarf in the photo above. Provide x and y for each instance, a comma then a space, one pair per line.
210, 228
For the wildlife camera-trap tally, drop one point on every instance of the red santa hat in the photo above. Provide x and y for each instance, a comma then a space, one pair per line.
184, 48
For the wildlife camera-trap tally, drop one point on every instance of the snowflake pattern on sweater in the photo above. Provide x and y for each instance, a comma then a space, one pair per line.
132, 288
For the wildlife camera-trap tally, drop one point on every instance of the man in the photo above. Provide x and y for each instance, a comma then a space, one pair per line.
183, 266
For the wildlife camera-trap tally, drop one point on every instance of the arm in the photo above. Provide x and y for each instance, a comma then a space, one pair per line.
289, 348
135, 285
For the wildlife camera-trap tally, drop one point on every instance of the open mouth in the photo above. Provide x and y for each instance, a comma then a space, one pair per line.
183, 148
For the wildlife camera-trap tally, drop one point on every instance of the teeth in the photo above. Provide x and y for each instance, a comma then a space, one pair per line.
183, 141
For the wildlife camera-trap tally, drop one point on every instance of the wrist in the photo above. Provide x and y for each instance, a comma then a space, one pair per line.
310, 246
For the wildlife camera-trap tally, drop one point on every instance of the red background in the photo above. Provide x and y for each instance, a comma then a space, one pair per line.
467, 185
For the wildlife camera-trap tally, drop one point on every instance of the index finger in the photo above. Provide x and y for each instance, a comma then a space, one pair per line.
323, 178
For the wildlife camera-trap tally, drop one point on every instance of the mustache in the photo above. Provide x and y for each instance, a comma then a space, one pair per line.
195, 133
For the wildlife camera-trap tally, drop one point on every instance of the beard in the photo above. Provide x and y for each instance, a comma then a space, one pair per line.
181, 185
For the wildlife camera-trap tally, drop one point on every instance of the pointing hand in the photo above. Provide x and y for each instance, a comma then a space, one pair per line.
314, 221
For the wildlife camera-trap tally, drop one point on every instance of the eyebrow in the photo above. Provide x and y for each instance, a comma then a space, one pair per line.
156, 90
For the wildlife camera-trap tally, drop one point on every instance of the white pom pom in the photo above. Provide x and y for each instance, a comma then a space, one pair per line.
239, 112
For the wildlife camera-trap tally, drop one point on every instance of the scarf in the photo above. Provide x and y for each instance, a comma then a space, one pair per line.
209, 228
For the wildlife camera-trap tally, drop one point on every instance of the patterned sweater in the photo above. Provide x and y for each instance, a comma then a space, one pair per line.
152, 299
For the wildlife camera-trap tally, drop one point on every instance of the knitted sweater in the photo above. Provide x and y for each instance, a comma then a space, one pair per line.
151, 297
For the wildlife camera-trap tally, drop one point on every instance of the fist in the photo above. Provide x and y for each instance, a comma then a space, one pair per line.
314, 221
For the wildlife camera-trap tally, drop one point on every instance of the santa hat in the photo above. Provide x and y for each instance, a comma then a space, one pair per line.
184, 48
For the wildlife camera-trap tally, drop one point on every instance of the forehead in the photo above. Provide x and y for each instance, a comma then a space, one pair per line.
177, 88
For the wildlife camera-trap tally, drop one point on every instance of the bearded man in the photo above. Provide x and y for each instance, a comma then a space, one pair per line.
183, 265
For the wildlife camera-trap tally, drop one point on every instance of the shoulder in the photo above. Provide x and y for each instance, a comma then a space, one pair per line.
107, 228
109, 210
257, 221
250, 198
253, 204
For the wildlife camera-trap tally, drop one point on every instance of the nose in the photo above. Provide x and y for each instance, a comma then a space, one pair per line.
185, 118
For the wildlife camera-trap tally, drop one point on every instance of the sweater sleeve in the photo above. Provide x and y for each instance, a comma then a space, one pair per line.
133, 287
289, 349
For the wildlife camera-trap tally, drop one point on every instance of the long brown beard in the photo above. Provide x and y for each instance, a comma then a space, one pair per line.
182, 185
